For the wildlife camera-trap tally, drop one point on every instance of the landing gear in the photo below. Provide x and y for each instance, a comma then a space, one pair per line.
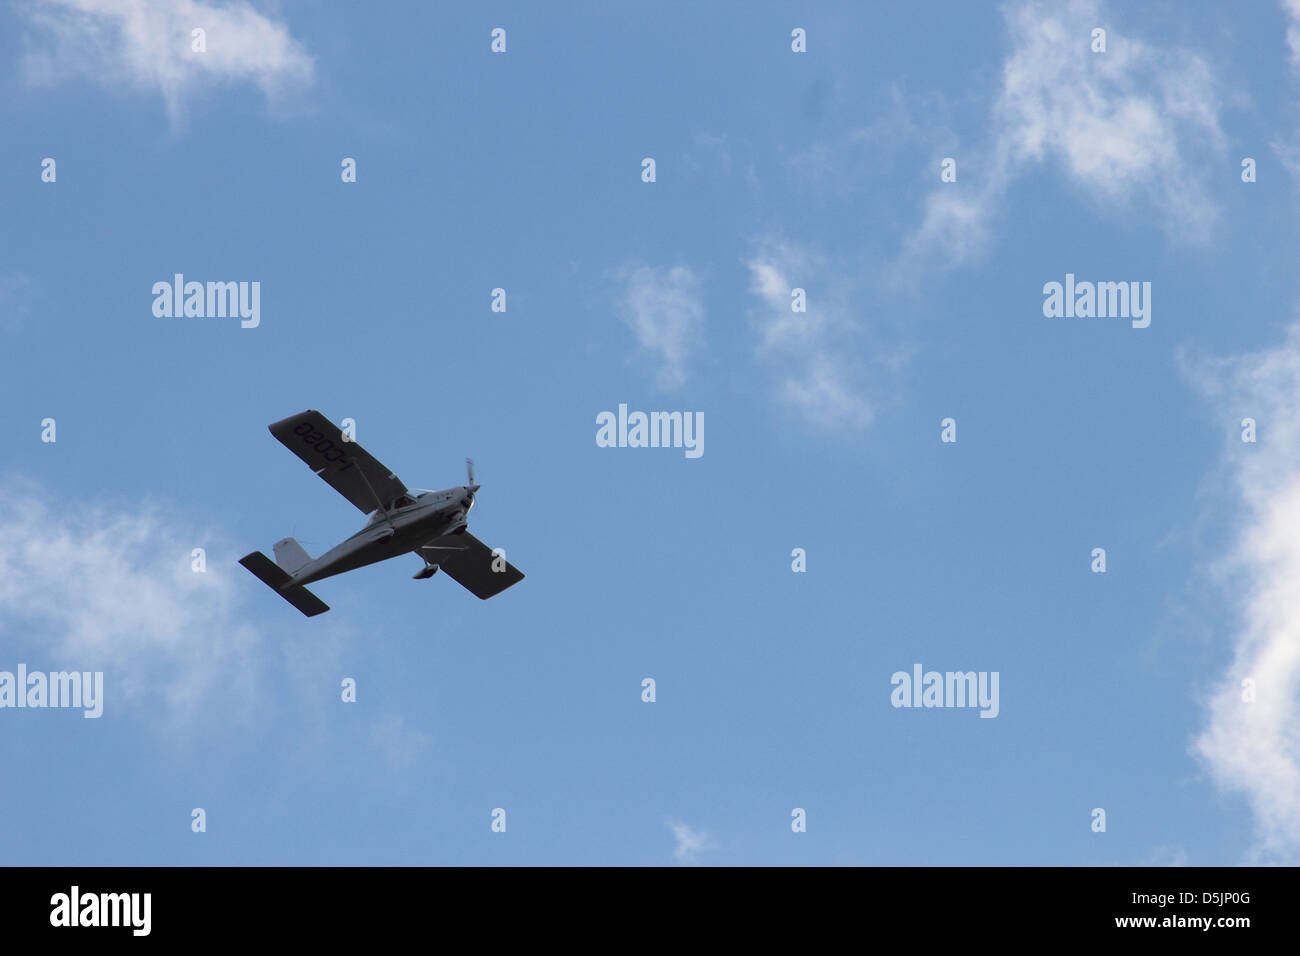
428, 571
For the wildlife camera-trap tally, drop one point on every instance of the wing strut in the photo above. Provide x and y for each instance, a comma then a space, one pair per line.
382, 506
340, 463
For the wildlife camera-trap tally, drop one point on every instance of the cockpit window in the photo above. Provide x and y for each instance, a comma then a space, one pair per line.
400, 502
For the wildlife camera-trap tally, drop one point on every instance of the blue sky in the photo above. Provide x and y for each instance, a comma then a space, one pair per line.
774, 170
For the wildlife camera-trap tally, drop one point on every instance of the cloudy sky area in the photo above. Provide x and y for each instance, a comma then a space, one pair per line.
775, 171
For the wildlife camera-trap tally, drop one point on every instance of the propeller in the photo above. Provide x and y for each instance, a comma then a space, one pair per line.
469, 474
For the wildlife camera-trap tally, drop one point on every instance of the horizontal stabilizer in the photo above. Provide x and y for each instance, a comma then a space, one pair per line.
276, 578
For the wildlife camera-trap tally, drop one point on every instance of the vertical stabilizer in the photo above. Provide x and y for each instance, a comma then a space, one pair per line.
290, 555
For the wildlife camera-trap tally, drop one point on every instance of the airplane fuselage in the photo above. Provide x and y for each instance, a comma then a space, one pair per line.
430, 524
405, 528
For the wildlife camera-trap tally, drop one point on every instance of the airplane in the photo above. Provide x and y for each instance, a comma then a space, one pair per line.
431, 524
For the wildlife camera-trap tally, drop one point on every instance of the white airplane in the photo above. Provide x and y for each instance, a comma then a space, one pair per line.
429, 523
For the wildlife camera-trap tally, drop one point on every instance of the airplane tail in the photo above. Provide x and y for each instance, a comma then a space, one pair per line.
276, 578
290, 555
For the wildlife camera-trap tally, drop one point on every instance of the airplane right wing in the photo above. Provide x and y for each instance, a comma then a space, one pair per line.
348, 468
470, 563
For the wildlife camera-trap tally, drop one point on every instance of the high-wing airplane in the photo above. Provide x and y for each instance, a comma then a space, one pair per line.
429, 523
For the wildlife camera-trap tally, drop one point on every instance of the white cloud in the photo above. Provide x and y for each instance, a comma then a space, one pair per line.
689, 843
1119, 125
715, 155
1118, 122
16, 296
1166, 855
1288, 152
821, 391
87, 587
1292, 8
717, 149
666, 314
809, 348
146, 44
92, 589
1254, 747
955, 227
403, 746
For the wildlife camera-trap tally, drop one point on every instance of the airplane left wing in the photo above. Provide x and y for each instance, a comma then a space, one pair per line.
348, 468
470, 563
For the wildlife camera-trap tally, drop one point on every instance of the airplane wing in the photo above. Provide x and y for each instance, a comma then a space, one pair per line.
469, 562
350, 470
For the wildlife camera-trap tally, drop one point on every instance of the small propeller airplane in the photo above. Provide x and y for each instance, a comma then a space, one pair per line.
431, 524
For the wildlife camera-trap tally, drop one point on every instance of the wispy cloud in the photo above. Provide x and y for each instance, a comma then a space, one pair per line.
719, 156
688, 842
1118, 125
1287, 148
403, 746
89, 586
97, 589
1251, 746
664, 310
16, 296
147, 45
1166, 855
1292, 10
808, 349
